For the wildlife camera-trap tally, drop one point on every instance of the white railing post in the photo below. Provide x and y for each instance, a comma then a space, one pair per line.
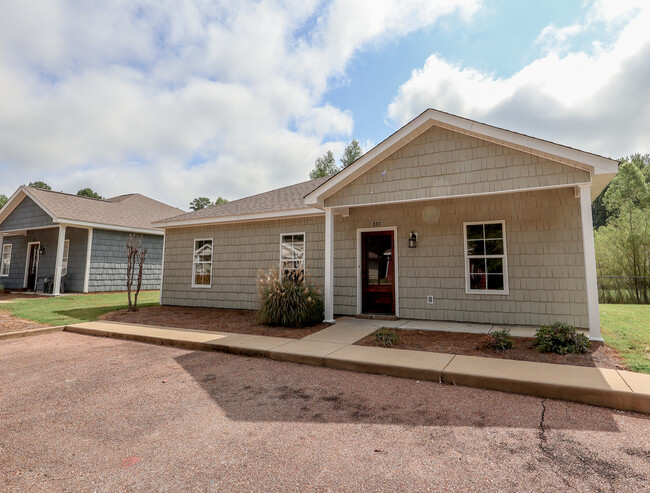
590, 263
56, 290
329, 265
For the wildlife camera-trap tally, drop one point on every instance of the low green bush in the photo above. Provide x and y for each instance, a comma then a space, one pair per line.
497, 340
386, 337
560, 338
288, 301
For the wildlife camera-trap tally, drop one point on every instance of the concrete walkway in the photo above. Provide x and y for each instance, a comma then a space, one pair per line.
334, 347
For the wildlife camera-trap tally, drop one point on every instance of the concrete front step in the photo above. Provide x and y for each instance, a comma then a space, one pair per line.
622, 390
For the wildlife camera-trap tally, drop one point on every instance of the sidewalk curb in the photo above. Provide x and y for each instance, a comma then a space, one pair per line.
614, 389
30, 332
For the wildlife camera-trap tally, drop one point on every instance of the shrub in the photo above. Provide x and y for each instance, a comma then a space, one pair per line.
386, 337
497, 340
289, 301
560, 338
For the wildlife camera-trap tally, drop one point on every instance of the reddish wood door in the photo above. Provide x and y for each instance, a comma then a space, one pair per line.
378, 272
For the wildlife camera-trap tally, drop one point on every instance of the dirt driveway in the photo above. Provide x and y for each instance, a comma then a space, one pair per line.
81, 413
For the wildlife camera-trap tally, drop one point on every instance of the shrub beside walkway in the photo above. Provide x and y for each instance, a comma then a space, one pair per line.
334, 347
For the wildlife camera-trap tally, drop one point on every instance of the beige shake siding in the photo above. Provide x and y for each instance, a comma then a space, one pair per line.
544, 245
240, 249
443, 163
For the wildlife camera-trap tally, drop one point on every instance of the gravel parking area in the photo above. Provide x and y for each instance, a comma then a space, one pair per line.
82, 413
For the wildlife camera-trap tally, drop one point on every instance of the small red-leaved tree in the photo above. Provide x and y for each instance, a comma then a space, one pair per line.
135, 255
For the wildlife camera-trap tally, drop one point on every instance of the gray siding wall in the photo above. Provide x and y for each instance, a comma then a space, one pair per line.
26, 215
48, 239
78, 237
108, 261
442, 163
544, 243
240, 250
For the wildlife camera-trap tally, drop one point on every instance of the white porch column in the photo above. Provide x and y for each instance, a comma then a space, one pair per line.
89, 247
590, 263
329, 265
56, 290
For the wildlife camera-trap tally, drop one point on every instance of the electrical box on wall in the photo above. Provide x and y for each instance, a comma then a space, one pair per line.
430, 300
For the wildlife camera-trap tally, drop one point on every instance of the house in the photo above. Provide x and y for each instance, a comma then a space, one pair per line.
46, 234
448, 219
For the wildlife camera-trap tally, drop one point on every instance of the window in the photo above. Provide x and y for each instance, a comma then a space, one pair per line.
202, 264
6, 260
486, 269
64, 262
292, 254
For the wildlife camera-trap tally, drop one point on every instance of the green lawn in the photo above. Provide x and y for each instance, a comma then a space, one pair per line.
73, 309
627, 328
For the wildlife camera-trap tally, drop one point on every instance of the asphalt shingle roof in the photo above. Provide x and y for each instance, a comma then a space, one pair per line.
131, 210
281, 199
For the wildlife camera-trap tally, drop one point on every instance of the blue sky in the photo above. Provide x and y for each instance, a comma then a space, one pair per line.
181, 99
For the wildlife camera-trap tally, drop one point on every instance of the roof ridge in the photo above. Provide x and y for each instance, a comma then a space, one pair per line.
267, 191
66, 193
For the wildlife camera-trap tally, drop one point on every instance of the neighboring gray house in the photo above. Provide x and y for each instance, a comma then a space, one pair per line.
79, 240
447, 219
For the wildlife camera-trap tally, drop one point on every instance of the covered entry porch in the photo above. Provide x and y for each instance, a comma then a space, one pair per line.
499, 259
55, 257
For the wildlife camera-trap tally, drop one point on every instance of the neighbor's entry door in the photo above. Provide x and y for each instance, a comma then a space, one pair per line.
378, 272
32, 265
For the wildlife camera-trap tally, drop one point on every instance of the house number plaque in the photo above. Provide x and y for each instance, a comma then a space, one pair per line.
376, 224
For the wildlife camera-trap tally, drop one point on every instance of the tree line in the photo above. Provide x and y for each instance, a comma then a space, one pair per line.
622, 233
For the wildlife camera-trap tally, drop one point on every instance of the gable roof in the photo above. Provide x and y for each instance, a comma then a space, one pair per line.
602, 169
131, 212
288, 201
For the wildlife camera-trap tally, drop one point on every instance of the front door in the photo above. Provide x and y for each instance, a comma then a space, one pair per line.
32, 266
378, 272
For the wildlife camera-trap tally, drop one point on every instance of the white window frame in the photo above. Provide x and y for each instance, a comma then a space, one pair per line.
5, 261
64, 260
194, 263
506, 288
304, 252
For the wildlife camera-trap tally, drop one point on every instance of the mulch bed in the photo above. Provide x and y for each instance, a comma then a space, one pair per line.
599, 355
212, 319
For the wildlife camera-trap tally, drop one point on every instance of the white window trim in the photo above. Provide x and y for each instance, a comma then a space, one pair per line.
201, 286
64, 259
506, 288
2, 259
304, 252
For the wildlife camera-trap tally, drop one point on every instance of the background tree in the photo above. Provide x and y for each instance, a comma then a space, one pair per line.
324, 166
89, 192
135, 256
623, 244
200, 203
351, 153
3, 200
40, 184
220, 200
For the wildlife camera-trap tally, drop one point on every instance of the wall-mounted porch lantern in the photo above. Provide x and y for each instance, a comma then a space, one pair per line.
413, 240
42, 250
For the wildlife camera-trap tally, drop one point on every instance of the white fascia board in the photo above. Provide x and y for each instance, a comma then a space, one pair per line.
110, 227
17, 198
594, 163
600, 164
261, 216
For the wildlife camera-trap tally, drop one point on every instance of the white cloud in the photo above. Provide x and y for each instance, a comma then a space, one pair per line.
591, 99
177, 99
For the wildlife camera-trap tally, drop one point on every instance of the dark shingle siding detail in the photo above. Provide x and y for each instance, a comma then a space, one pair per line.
108, 261
26, 215
74, 281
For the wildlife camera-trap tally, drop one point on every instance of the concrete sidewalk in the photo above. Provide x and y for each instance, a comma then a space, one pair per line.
333, 347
